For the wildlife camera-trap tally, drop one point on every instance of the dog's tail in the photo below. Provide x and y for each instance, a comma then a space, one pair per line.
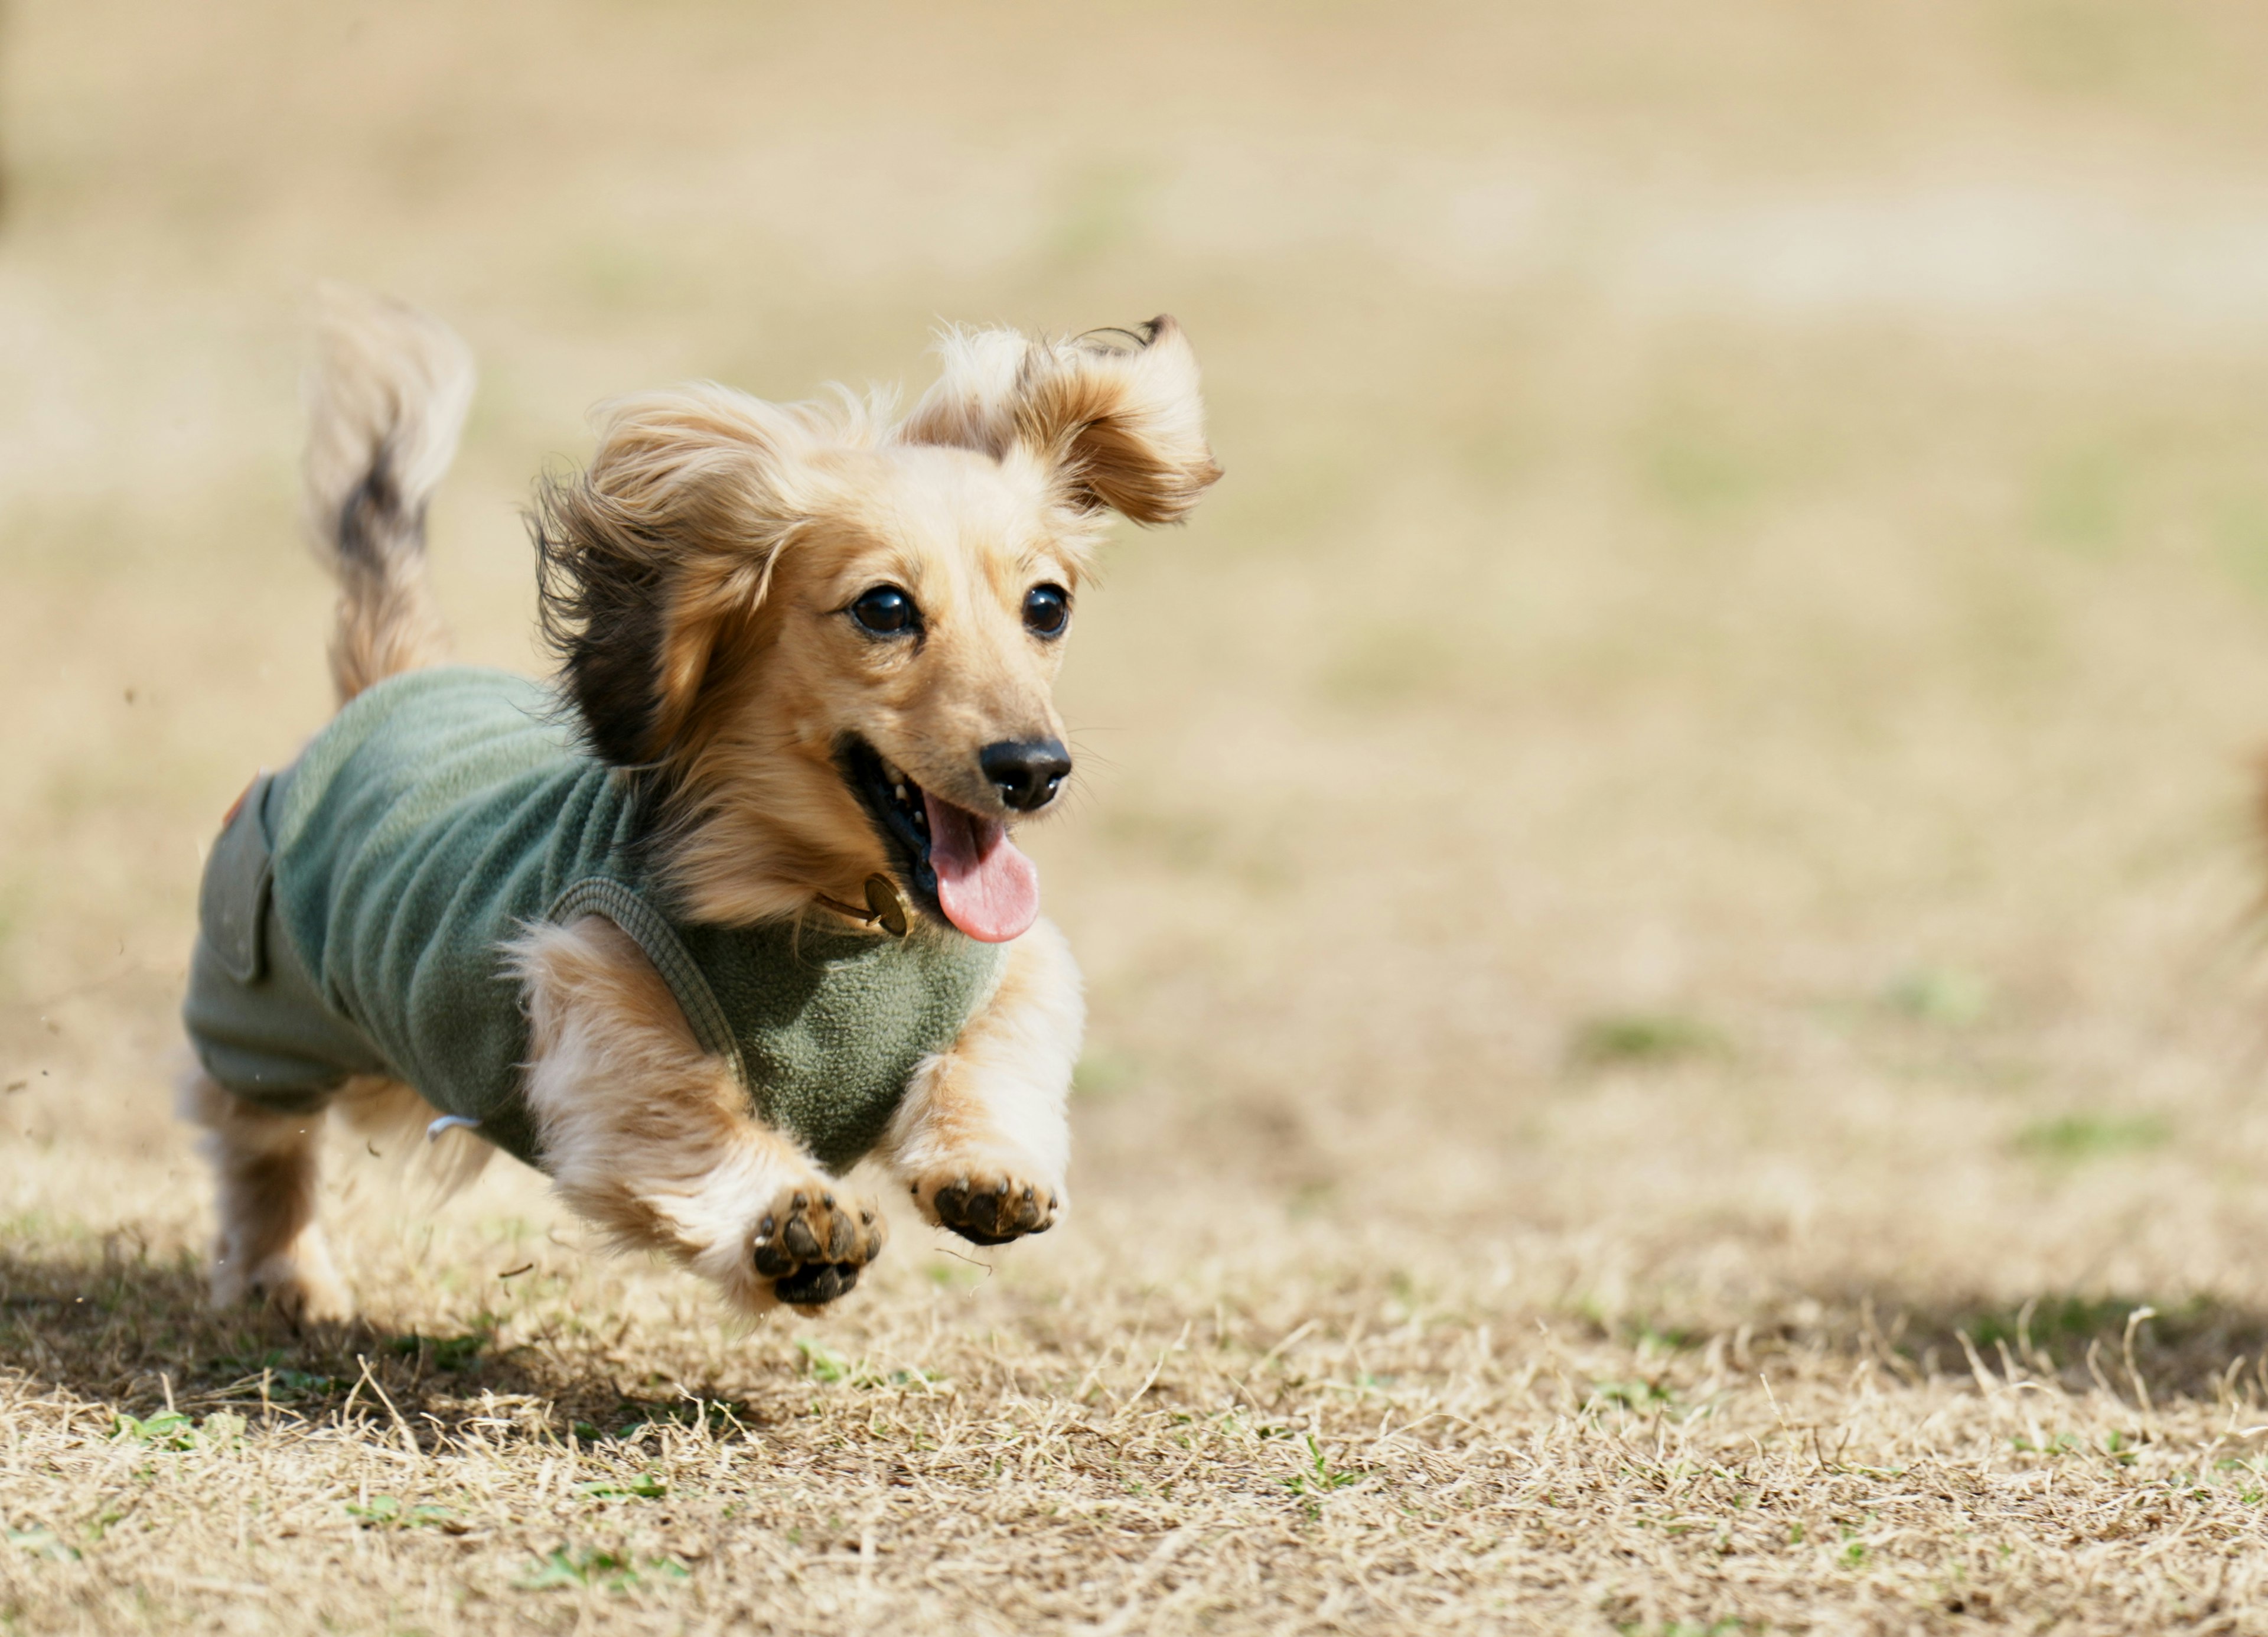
386, 399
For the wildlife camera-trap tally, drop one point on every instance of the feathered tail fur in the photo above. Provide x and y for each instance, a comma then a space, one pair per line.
386, 399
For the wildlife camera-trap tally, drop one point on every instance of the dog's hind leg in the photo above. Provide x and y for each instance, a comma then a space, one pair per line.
385, 401
981, 1139
268, 1245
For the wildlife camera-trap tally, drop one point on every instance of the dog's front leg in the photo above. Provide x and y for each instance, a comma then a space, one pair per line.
650, 1137
981, 1139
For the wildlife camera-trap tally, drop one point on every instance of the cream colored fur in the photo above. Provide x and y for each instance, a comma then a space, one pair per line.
395, 1125
647, 1138
991, 1110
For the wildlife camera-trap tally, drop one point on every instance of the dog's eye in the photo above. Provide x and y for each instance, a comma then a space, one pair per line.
887, 611
1047, 609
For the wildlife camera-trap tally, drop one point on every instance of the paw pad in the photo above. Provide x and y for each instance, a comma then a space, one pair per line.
814, 1250
996, 1213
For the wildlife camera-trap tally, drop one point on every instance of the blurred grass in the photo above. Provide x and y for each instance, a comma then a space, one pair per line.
2073, 1137
1639, 1038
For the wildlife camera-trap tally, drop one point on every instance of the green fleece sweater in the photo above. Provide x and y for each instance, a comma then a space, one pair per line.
356, 909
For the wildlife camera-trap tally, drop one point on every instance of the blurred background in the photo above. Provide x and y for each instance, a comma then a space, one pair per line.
1702, 755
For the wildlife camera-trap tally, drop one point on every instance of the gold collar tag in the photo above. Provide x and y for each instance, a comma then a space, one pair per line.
890, 909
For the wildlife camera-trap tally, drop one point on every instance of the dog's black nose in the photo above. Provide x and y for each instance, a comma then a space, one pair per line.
1026, 772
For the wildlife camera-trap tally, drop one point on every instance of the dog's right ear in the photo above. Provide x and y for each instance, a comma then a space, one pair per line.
1116, 415
649, 558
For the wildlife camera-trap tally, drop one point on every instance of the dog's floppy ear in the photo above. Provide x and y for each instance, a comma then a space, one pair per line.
648, 557
1116, 415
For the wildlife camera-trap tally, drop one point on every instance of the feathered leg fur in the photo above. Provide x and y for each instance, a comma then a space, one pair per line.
981, 1139
650, 1138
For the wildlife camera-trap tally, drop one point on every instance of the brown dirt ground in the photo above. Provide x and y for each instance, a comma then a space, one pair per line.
1665, 870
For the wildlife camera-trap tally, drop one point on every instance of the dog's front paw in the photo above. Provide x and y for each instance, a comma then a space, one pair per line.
989, 1204
812, 1246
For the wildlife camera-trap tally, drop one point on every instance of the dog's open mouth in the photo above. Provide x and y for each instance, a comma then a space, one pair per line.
956, 863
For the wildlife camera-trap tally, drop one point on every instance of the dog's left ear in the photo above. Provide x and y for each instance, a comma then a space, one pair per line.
1116, 415
650, 558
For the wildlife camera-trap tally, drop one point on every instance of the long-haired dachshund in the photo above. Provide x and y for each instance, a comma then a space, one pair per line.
735, 903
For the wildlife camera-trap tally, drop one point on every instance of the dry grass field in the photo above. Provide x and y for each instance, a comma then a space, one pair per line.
1666, 870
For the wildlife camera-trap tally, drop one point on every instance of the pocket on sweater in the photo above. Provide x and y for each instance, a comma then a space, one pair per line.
239, 875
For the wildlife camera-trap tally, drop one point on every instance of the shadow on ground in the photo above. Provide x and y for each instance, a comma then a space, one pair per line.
135, 1332
119, 1326
2195, 1346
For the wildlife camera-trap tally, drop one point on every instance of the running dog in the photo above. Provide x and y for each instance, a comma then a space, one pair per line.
733, 903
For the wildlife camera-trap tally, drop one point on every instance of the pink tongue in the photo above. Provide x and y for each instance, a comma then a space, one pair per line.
987, 888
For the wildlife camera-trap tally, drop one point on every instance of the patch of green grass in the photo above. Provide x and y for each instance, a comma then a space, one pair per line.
2080, 501
575, 1566
822, 1364
956, 1272
2071, 1321
445, 1352
714, 1413
303, 1384
2071, 1138
284, 1381
1633, 1395
1650, 1339
1643, 1038
1692, 470
644, 1486
1946, 995
1103, 1072
42, 1542
389, 1512
1319, 1477
169, 1429
2098, 48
